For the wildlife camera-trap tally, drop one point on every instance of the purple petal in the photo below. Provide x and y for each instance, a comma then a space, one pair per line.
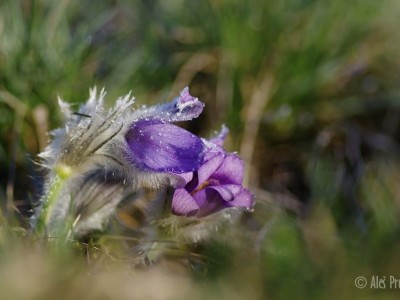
220, 137
230, 171
243, 199
182, 108
234, 189
185, 97
184, 179
193, 183
225, 193
228, 191
186, 107
164, 147
208, 168
183, 203
212, 150
209, 202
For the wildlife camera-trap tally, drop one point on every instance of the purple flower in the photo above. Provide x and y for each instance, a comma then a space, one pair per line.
156, 145
217, 184
101, 155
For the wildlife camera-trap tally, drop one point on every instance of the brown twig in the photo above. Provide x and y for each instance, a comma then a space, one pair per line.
261, 95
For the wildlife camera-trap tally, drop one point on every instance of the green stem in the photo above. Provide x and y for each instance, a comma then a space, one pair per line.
50, 198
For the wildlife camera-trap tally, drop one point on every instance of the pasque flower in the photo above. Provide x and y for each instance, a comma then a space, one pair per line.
217, 184
101, 155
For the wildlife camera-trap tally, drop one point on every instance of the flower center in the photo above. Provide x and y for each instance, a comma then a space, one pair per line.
204, 185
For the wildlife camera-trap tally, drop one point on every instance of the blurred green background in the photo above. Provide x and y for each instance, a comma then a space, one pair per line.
310, 90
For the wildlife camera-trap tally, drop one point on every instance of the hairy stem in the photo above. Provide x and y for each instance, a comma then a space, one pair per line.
49, 200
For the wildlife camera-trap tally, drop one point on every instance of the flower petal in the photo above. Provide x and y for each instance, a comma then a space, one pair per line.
183, 203
182, 108
185, 107
184, 178
230, 171
208, 168
220, 137
243, 199
163, 147
225, 193
209, 201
